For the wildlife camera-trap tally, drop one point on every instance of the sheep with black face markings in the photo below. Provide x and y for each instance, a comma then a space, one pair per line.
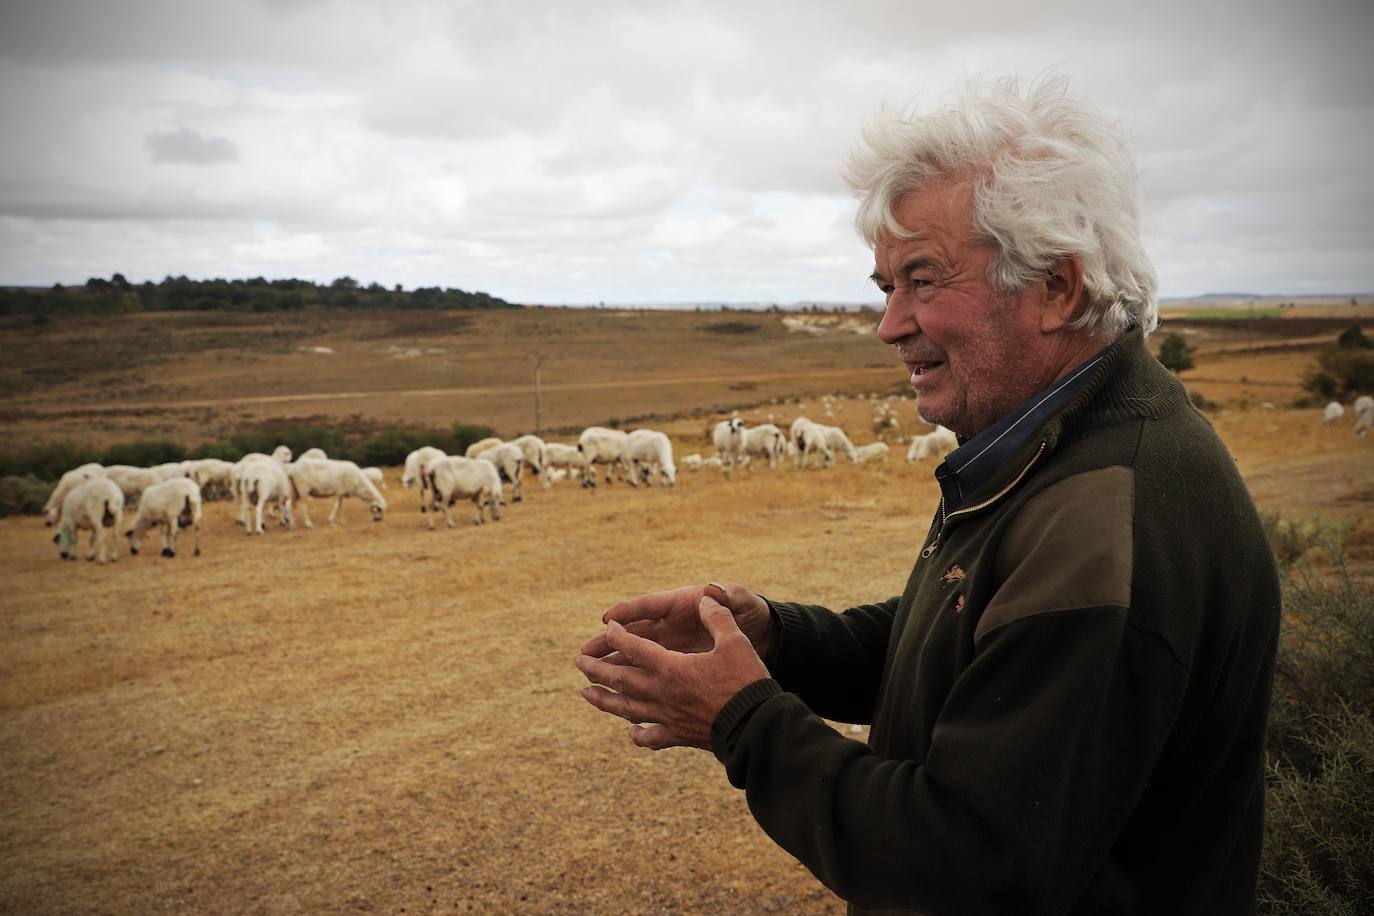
95, 505
728, 438
171, 505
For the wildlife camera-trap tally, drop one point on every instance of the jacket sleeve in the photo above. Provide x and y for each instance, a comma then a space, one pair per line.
834, 662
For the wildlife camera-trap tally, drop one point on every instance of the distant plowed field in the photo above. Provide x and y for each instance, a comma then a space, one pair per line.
377, 717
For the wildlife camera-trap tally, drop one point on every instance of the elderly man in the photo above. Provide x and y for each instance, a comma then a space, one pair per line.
1068, 699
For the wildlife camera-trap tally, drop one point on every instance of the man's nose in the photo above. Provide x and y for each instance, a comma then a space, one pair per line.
896, 323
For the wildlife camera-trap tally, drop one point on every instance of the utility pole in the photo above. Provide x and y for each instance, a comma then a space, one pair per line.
538, 362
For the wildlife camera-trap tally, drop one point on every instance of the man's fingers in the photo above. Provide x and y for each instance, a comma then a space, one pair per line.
641, 652
653, 606
618, 704
654, 737
617, 675
718, 620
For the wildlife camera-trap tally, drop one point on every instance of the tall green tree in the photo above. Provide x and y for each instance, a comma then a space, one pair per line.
1175, 354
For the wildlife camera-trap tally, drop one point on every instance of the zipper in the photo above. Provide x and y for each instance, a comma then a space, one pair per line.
944, 518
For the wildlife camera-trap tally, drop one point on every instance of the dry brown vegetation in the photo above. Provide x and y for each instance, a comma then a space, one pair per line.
375, 717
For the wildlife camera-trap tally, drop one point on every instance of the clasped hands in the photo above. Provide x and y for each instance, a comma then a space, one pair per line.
669, 661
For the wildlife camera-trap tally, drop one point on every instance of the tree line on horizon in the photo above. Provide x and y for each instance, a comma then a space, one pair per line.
179, 294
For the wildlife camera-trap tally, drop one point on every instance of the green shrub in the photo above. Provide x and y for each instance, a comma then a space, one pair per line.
1353, 338
391, 445
461, 435
23, 495
1341, 374
1319, 826
45, 460
143, 453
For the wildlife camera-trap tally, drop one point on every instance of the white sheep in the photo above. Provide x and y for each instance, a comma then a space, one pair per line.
1364, 421
171, 505
260, 483
567, 458
692, 462
171, 469
213, 476
875, 452
313, 454
536, 453
510, 461
808, 438
1362, 403
69, 481
453, 478
377, 476
728, 438
765, 441
1334, 411
938, 442
600, 445
281, 455
713, 463
650, 452
837, 441
417, 470
132, 481
339, 479
481, 445
95, 505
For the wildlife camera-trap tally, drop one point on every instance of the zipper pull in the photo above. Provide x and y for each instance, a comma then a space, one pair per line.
925, 554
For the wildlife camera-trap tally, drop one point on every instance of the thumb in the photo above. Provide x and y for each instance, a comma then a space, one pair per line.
717, 619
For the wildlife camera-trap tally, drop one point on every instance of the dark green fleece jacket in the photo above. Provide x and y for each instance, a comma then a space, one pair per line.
1068, 701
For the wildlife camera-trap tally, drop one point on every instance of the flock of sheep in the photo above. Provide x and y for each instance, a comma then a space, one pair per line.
170, 496
1364, 414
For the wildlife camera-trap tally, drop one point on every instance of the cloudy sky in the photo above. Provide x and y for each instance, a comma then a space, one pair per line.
640, 151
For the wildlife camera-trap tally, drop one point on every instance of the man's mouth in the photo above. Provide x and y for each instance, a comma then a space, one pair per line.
923, 367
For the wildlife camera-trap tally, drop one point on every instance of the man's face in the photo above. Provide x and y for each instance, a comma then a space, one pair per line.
973, 354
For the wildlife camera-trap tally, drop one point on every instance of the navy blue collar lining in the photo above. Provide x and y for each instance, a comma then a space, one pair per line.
993, 445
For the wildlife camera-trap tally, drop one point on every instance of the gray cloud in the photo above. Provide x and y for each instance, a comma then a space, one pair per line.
623, 151
187, 146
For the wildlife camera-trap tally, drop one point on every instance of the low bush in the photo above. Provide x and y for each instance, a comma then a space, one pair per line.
1319, 828
23, 495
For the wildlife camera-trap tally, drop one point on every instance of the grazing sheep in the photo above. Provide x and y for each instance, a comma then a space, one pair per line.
510, 461
808, 438
875, 452
70, 480
600, 445
313, 454
1362, 403
481, 445
453, 478
567, 458
692, 462
377, 477
171, 469
837, 441
417, 470
650, 452
339, 479
1364, 421
171, 505
1334, 411
264, 482
132, 481
714, 463
765, 441
536, 455
938, 442
728, 438
95, 505
214, 476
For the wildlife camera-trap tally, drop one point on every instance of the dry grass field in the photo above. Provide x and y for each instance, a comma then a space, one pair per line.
380, 718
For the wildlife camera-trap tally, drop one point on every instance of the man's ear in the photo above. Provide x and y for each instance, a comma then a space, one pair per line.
1065, 298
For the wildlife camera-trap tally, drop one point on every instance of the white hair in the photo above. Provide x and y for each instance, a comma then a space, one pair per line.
1051, 178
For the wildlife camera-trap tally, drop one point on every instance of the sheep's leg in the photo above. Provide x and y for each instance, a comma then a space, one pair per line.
480, 503
257, 516
305, 514
197, 524
90, 554
334, 512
